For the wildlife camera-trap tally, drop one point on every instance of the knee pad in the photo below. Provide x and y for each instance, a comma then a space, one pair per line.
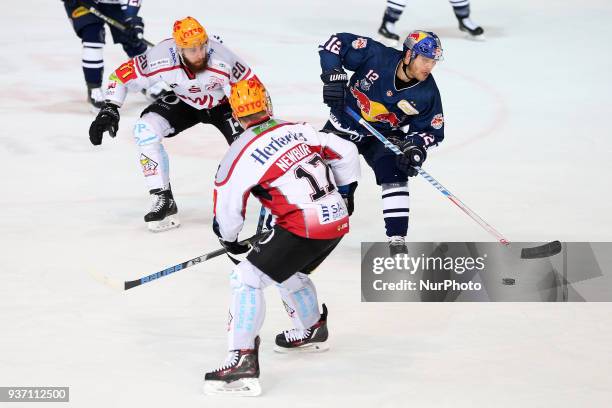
150, 129
295, 283
245, 274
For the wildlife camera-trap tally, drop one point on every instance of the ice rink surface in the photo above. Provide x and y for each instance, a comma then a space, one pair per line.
527, 147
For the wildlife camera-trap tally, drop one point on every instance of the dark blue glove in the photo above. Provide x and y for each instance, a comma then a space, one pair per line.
106, 121
414, 153
348, 194
334, 87
134, 30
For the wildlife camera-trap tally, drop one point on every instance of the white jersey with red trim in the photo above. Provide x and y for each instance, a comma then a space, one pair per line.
203, 90
294, 171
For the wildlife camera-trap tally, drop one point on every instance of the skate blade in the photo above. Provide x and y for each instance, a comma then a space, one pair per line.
167, 223
245, 387
388, 42
308, 348
477, 38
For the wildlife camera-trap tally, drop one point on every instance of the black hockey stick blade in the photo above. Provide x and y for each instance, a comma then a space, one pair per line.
542, 251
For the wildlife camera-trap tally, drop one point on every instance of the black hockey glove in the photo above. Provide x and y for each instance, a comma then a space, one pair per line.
134, 30
414, 154
348, 194
106, 121
334, 87
233, 247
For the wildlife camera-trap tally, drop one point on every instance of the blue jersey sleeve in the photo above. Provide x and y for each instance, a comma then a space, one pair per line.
131, 8
344, 50
430, 123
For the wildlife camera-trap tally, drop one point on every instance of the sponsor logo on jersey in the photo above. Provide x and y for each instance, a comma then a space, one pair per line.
359, 43
373, 111
159, 64
438, 121
206, 99
195, 89
263, 154
173, 55
126, 72
149, 166
332, 212
297, 153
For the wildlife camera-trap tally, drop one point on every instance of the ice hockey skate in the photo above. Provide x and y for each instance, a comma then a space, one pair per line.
397, 245
95, 97
474, 31
387, 34
312, 340
238, 376
162, 216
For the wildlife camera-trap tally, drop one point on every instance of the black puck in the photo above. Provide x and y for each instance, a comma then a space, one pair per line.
508, 281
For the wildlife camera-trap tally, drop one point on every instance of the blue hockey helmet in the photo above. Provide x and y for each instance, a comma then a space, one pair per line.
423, 43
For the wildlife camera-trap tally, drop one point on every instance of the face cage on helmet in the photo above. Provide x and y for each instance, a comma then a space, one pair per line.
434, 53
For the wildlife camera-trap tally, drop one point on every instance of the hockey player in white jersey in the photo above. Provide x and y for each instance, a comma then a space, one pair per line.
200, 70
295, 172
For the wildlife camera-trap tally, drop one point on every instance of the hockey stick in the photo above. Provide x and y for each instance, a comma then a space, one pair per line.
123, 286
119, 26
543, 251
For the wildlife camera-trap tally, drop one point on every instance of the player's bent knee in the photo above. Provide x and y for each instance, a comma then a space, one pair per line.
150, 129
247, 274
295, 283
92, 33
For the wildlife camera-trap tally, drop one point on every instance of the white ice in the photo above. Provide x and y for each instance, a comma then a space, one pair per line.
527, 147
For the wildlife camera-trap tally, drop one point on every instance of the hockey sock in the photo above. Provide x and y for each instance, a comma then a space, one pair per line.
461, 8
92, 37
93, 63
247, 307
148, 133
299, 297
396, 206
394, 10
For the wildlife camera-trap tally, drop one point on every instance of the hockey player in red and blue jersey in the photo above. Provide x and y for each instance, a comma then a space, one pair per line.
395, 92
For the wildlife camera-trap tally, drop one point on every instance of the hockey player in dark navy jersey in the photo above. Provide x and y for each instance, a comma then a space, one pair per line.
395, 92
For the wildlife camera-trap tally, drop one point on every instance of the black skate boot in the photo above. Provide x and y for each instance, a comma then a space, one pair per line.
238, 376
388, 34
312, 340
95, 97
163, 212
468, 26
397, 245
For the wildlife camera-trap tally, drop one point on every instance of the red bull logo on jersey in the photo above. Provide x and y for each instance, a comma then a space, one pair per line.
373, 111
